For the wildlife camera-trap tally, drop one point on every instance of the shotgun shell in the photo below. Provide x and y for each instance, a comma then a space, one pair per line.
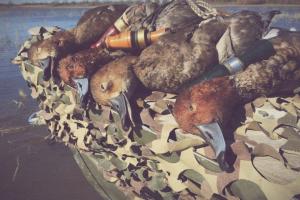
134, 39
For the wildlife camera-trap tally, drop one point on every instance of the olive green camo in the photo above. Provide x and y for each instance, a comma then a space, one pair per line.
154, 159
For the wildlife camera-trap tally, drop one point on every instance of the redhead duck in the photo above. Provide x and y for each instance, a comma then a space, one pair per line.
83, 64
113, 84
176, 60
206, 107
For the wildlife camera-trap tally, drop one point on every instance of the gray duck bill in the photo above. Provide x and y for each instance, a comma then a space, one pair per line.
120, 104
46, 65
212, 133
82, 85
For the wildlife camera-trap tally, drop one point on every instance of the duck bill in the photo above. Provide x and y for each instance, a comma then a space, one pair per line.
212, 133
46, 65
121, 105
82, 85
49, 66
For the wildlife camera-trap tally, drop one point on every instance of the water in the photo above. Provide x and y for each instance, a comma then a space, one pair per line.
289, 17
14, 24
29, 168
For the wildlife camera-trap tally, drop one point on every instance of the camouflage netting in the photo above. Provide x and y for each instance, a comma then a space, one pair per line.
157, 161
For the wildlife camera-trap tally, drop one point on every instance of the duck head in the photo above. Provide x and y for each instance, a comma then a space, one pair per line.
74, 74
47, 53
58, 46
113, 84
204, 109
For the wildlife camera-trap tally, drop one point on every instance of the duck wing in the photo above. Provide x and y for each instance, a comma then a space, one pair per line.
176, 15
280, 73
244, 29
175, 59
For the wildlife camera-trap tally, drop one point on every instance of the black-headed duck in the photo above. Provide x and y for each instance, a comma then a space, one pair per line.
205, 108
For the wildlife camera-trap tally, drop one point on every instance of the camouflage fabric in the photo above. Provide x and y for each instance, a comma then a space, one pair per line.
155, 160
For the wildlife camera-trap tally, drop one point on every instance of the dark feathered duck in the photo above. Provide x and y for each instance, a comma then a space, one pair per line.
175, 15
77, 65
175, 59
89, 28
243, 29
205, 108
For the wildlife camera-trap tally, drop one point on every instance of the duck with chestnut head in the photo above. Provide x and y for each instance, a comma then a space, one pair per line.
75, 70
206, 108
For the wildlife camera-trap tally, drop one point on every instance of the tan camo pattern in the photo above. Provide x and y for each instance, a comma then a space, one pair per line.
157, 161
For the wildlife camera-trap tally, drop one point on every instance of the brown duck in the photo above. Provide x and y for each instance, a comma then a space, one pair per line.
205, 108
84, 63
89, 28
77, 65
176, 59
113, 84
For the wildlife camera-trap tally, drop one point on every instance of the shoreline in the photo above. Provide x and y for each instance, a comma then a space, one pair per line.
90, 5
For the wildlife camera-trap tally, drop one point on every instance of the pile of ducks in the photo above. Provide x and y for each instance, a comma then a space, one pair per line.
213, 62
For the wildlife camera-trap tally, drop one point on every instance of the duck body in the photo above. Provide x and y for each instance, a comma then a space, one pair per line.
213, 101
176, 15
175, 59
279, 73
243, 29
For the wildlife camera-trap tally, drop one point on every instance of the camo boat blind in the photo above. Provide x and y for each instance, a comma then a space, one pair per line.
155, 160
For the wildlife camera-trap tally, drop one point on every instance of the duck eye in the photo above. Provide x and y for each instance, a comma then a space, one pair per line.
103, 87
70, 66
191, 107
60, 42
